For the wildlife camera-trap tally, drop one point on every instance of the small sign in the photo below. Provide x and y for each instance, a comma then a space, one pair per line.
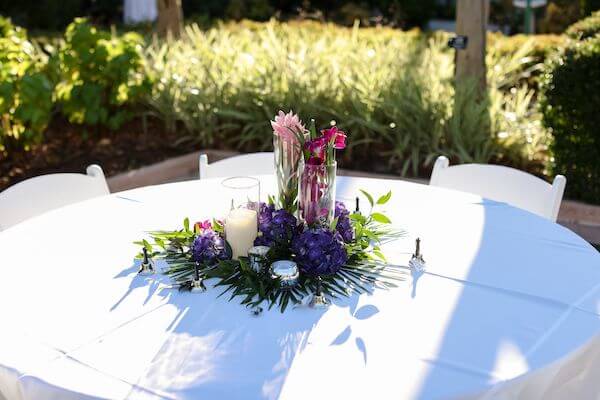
532, 3
458, 42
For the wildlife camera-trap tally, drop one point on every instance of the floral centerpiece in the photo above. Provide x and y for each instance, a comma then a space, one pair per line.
337, 252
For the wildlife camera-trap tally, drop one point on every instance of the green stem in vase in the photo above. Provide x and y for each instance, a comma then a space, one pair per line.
313, 129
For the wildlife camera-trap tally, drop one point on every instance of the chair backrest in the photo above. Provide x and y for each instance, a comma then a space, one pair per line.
46, 192
504, 184
245, 164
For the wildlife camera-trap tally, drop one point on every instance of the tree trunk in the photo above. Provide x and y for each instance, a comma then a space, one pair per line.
471, 21
170, 17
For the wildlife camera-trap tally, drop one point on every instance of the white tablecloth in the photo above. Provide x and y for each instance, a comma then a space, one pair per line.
506, 292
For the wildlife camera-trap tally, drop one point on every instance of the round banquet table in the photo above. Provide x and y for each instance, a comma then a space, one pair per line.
505, 292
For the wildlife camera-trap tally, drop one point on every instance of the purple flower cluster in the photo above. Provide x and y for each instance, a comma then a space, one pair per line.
319, 252
343, 227
275, 226
209, 248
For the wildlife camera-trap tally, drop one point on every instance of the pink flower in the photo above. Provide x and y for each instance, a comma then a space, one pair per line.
287, 126
203, 225
316, 146
336, 137
314, 160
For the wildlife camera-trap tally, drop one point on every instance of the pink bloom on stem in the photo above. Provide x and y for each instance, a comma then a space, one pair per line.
286, 126
203, 225
316, 147
336, 137
315, 160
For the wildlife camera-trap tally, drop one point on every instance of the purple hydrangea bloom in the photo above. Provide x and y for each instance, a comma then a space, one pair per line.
319, 252
209, 247
343, 227
274, 225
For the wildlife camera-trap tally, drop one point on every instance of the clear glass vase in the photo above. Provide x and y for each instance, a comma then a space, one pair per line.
316, 200
288, 154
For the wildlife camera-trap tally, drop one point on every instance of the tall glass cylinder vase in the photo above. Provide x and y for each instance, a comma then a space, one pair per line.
288, 153
316, 200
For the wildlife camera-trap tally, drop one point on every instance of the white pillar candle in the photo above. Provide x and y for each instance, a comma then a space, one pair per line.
241, 228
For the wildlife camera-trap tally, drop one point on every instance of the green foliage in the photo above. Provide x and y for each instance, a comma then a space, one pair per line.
571, 103
539, 46
99, 73
25, 90
589, 6
586, 28
393, 91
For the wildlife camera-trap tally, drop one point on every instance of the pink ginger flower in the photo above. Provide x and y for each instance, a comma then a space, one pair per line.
287, 126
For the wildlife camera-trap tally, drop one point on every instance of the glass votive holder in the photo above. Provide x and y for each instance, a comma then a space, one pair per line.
257, 257
286, 272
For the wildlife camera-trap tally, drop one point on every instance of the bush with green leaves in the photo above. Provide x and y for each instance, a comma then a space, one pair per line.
101, 75
392, 90
25, 90
586, 28
571, 106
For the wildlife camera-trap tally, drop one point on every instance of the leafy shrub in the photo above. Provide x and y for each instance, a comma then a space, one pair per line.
100, 74
586, 28
392, 90
25, 90
539, 46
559, 15
571, 105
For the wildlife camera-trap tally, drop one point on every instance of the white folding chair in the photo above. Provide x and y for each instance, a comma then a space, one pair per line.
245, 164
46, 192
504, 184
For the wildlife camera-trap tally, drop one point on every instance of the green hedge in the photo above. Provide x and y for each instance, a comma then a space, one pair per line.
392, 90
571, 107
586, 28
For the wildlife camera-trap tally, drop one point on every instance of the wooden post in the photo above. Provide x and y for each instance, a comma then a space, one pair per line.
170, 17
471, 21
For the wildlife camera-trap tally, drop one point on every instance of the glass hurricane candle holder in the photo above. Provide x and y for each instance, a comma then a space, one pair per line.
241, 191
241, 222
316, 197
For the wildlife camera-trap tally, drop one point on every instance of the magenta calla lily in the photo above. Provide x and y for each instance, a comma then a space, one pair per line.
336, 137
